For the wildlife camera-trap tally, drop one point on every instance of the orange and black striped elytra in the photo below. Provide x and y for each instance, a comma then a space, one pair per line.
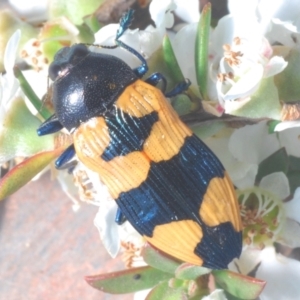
167, 183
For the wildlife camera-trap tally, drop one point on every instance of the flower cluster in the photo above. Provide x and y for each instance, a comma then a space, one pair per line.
243, 102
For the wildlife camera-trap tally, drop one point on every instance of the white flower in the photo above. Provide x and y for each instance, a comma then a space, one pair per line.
9, 84
32, 10
17, 125
242, 150
189, 13
141, 295
282, 274
184, 48
216, 295
252, 144
279, 23
266, 10
92, 190
145, 41
290, 234
242, 57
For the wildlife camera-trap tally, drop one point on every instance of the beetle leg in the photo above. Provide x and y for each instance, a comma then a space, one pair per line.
120, 218
178, 89
181, 87
65, 157
51, 125
155, 78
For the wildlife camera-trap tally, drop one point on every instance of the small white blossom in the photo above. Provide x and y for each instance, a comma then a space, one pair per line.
241, 59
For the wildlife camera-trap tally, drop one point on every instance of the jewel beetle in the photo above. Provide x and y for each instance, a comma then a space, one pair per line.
166, 182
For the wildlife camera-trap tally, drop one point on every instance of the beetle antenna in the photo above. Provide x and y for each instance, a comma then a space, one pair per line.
124, 25
125, 22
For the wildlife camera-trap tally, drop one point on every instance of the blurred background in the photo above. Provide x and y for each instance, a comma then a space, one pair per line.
47, 248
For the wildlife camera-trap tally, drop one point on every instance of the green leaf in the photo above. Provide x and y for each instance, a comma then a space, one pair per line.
163, 60
294, 180
276, 162
171, 61
271, 126
74, 10
92, 22
239, 285
293, 173
31, 95
207, 129
164, 292
25, 171
86, 35
201, 50
182, 104
159, 260
157, 63
57, 34
264, 103
128, 281
18, 136
190, 272
287, 81
294, 164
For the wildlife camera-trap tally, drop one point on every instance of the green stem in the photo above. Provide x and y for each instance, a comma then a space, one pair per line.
201, 50
31, 95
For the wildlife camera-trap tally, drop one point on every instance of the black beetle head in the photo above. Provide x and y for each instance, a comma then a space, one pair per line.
86, 84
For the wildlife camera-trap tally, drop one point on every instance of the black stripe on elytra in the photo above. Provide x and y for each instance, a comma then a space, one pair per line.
173, 191
219, 246
127, 133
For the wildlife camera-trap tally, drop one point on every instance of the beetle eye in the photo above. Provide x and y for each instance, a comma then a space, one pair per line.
80, 50
54, 70
78, 53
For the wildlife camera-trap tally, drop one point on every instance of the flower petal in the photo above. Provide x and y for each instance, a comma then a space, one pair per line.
31, 10
247, 262
9, 84
286, 125
216, 295
66, 182
188, 13
238, 7
186, 36
141, 295
290, 233
286, 10
277, 183
248, 178
246, 84
107, 227
292, 208
253, 143
283, 33
161, 12
232, 26
282, 275
290, 140
275, 66
241, 172
11, 51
